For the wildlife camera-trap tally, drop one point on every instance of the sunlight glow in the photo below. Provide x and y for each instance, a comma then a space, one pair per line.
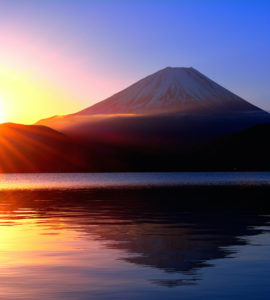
2, 113
41, 80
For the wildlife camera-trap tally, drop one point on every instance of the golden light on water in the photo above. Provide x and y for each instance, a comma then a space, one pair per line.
38, 246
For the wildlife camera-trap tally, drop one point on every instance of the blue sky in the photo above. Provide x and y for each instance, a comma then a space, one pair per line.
119, 42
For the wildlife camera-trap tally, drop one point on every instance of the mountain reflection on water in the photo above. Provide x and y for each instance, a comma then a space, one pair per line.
83, 244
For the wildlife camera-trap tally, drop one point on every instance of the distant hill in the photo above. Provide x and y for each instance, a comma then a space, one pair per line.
33, 148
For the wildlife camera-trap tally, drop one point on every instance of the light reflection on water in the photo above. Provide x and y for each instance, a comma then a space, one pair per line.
134, 244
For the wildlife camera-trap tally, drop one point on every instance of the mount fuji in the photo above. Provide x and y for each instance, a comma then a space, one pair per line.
171, 90
175, 119
160, 123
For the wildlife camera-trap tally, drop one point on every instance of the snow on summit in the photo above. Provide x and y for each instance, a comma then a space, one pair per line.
171, 90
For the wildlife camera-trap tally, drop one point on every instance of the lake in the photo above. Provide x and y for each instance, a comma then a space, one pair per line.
135, 236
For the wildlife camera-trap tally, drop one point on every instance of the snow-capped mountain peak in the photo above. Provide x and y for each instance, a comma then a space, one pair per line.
171, 90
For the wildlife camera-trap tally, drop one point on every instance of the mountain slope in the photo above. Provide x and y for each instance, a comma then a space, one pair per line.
171, 90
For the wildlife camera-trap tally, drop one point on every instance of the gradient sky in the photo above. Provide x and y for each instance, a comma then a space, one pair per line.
60, 56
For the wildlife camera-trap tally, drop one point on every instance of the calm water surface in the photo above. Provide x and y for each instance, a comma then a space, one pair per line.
107, 180
135, 236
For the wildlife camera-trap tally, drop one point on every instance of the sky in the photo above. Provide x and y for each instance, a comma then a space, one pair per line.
60, 56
